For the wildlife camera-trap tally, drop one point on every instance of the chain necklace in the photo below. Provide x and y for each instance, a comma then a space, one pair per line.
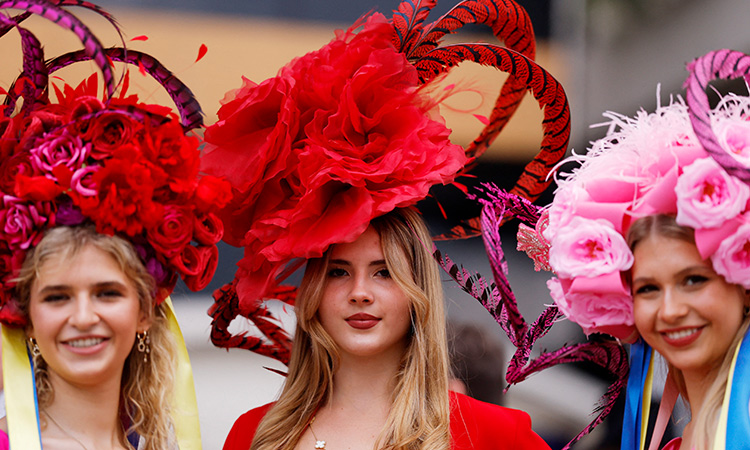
64, 431
318, 443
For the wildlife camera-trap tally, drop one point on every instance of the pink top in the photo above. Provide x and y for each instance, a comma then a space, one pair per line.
674, 444
4, 443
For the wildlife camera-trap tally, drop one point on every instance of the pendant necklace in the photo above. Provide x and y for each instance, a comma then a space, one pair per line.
318, 443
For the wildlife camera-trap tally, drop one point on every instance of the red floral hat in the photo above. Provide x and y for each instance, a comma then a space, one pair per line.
349, 132
127, 167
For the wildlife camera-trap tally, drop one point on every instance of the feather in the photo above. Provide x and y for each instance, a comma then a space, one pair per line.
407, 22
63, 18
725, 64
187, 105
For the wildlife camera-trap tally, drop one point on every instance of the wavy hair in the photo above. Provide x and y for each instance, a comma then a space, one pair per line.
707, 418
420, 411
146, 385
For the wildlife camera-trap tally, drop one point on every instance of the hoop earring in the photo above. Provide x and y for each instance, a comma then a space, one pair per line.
144, 344
35, 352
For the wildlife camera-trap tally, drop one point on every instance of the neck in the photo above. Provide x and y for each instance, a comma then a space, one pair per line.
88, 414
365, 383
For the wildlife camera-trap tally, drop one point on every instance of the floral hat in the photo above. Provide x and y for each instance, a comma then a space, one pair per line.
351, 131
686, 160
127, 167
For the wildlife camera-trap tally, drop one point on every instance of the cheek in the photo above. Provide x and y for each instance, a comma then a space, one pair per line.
643, 315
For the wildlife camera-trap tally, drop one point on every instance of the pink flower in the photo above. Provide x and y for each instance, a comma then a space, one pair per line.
732, 259
707, 196
82, 181
734, 137
22, 223
595, 312
588, 248
62, 149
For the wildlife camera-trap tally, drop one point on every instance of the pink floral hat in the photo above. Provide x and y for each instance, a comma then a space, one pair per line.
351, 131
127, 167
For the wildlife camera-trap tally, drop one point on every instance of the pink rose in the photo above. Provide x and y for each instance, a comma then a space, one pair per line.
734, 137
82, 181
22, 223
595, 312
707, 196
588, 248
732, 259
55, 150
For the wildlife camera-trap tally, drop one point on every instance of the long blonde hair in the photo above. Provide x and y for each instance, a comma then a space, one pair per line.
146, 386
706, 421
420, 411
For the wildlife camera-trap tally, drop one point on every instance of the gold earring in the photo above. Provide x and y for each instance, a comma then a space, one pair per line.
144, 344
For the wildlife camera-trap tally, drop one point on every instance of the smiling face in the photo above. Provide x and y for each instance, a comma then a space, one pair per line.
682, 307
362, 308
84, 314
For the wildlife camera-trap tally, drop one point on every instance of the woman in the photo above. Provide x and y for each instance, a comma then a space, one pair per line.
101, 211
324, 159
648, 239
369, 366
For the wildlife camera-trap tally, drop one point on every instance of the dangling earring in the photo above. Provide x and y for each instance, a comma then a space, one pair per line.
144, 344
746, 311
34, 348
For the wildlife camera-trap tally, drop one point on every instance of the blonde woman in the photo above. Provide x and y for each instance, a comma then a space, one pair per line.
101, 211
649, 242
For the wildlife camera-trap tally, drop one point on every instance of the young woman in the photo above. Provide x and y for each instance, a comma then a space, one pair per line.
323, 159
101, 210
649, 239
369, 366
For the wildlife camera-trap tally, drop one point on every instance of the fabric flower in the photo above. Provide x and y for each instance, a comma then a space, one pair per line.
595, 312
109, 131
707, 196
173, 231
59, 148
588, 248
207, 229
340, 136
732, 259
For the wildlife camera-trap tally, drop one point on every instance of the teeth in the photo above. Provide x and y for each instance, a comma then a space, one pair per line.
681, 334
88, 342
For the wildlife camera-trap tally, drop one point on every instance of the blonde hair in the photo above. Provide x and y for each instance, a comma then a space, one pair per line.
706, 421
420, 411
146, 386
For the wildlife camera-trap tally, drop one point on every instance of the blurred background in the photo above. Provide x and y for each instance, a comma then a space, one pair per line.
609, 54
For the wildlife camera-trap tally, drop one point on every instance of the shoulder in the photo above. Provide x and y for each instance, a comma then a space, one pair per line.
243, 430
484, 426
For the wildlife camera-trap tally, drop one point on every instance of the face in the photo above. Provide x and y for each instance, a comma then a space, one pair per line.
363, 309
84, 314
683, 309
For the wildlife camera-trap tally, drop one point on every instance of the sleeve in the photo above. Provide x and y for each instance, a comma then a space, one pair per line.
241, 435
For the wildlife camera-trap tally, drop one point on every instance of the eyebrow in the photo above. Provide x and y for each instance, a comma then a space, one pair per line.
343, 262
100, 285
686, 270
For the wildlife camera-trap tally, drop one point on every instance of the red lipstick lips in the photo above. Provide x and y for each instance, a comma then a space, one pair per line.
362, 321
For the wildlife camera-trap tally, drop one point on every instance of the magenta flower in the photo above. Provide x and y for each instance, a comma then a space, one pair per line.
62, 149
732, 259
22, 223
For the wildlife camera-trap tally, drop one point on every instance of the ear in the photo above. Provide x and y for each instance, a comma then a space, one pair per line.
144, 321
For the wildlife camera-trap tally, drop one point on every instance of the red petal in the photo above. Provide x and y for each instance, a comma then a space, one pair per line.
142, 37
201, 52
141, 68
482, 119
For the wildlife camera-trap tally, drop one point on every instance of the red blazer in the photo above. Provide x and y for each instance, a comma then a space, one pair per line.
474, 425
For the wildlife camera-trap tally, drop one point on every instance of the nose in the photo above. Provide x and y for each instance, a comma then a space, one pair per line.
360, 290
673, 307
84, 314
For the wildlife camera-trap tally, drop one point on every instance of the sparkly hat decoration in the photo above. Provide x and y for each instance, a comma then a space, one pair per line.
127, 167
685, 160
349, 132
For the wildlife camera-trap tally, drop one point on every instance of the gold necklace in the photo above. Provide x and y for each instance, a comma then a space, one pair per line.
318, 443
64, 431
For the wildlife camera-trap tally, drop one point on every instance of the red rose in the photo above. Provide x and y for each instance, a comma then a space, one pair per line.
109, 131
194, 261
209, 256
207, 229
173, 231
11, 168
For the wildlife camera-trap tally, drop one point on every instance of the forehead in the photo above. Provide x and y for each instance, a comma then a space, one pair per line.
658, 254
367, 245
88, 265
